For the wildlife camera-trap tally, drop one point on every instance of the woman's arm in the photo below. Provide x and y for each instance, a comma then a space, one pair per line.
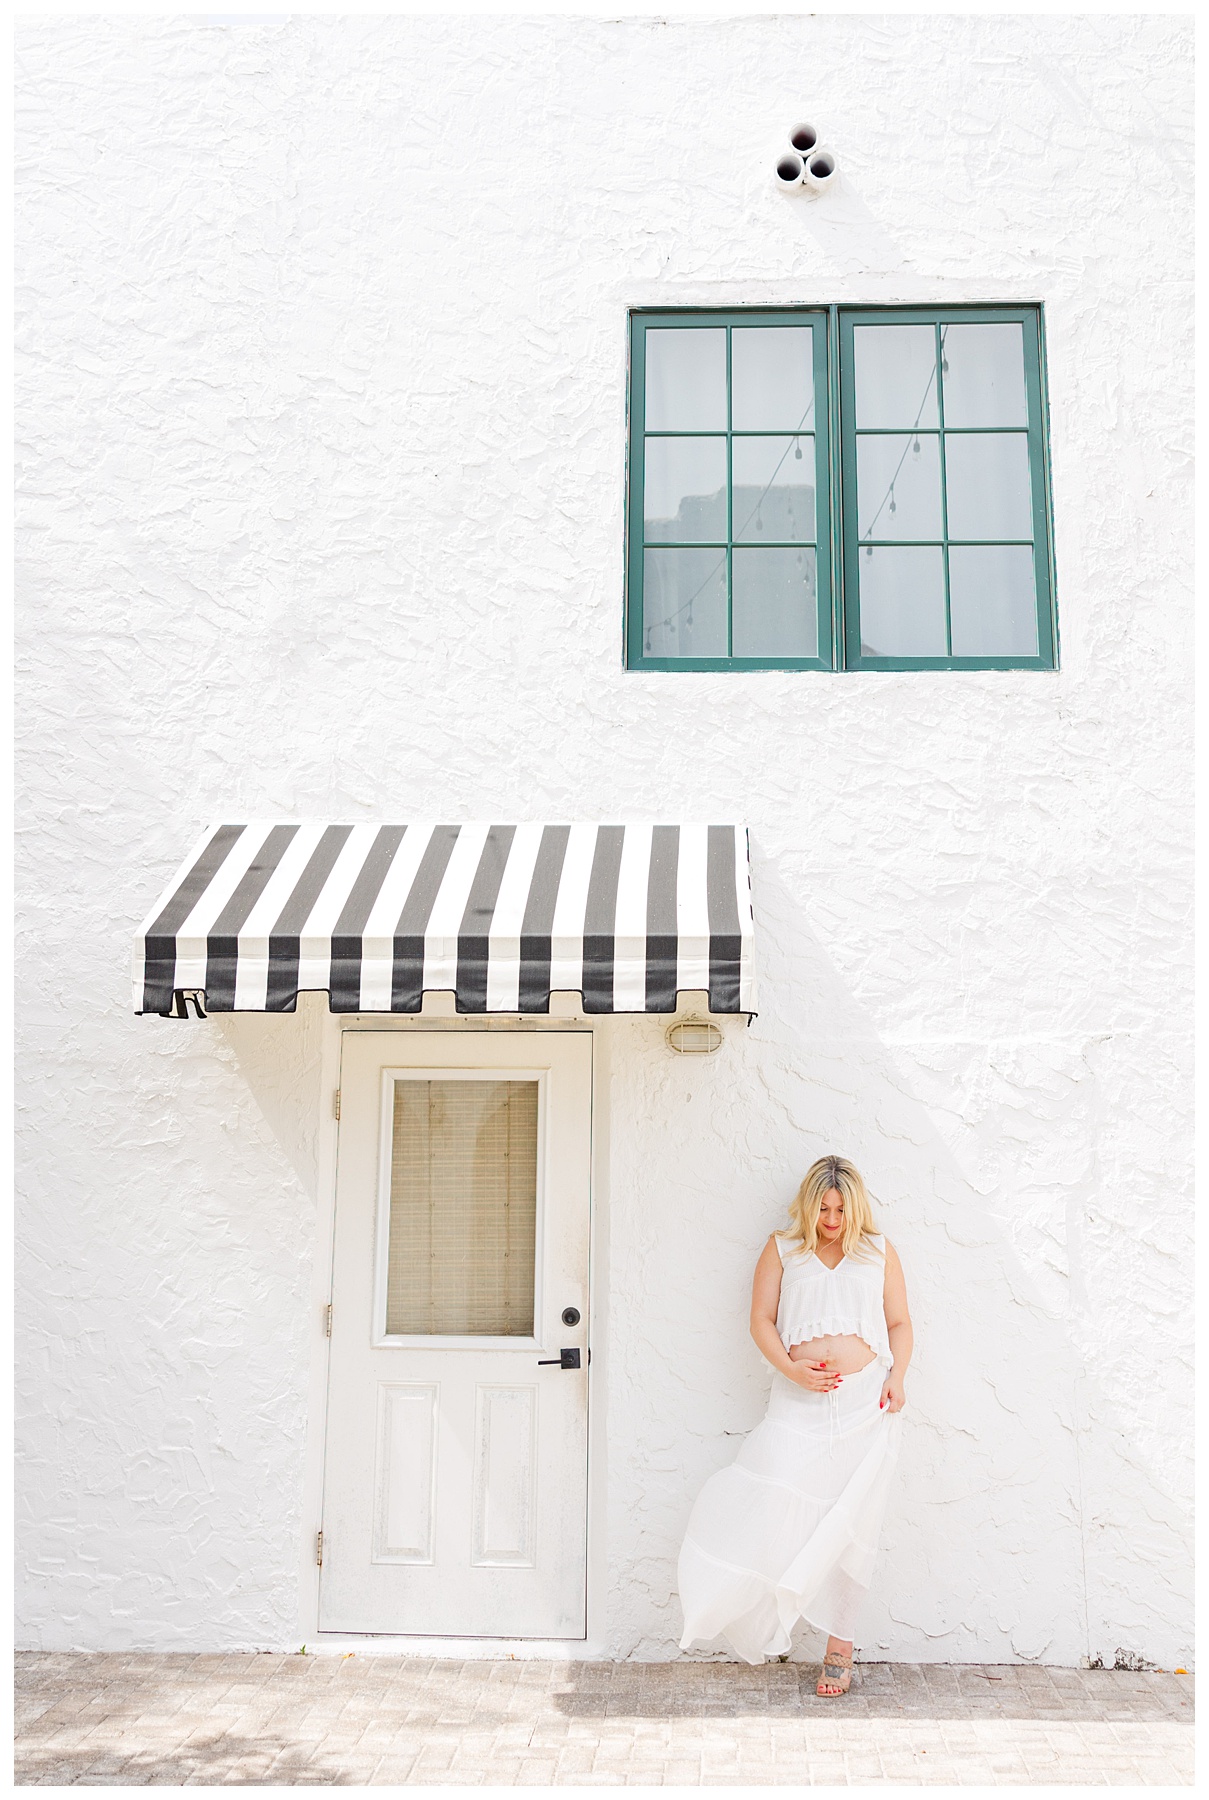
765, 1297
898, 1330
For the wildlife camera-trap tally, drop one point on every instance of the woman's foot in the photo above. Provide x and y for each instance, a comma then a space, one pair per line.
837, 1671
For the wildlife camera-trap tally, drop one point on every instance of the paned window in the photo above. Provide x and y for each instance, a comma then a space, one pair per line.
838, 488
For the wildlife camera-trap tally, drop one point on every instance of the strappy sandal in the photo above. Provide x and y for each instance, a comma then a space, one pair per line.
837, 1669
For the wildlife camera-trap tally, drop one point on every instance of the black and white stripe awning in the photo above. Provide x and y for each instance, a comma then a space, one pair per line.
627, 916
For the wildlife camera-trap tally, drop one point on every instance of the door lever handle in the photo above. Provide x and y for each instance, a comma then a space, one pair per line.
566, 1359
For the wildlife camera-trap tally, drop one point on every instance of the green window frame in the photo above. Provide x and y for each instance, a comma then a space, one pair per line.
957, 566
723, 552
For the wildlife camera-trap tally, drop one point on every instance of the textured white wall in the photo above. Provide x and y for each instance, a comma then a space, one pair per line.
323, 362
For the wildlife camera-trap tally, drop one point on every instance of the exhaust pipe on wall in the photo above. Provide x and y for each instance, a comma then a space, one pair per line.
789, 170
819, 170
805, 162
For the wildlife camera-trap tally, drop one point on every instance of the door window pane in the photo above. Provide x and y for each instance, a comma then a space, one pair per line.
684, 602
463, 1208
774, 603
993, 600
686, 380
895, 376
772, 378
983, 374
987, 485
773, 489
898, 487
685, 490
902, 601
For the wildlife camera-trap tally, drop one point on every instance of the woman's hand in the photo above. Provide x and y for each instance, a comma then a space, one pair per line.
893, 1398
816, 1377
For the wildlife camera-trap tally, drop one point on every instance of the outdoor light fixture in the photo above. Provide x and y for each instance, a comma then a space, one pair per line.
805, 161
693, 1036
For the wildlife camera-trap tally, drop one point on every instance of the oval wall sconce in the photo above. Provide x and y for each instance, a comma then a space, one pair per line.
693, 1036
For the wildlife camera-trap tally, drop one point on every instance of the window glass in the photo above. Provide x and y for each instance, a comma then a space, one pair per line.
463, 1208
685, 498
773, 490
898, 487
774, 603
684, 603
983, 371
772, 378
685, 380
965, 488
993, 600
903, 600
752, 486
987, 484
895, 376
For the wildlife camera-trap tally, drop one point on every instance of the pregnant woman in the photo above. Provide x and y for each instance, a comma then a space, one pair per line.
790, 1530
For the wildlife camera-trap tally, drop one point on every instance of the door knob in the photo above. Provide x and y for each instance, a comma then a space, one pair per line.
566, 1359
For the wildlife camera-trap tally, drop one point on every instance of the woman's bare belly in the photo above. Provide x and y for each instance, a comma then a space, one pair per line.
848, 1354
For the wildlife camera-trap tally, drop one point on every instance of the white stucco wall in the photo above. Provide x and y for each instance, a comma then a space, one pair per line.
322, 444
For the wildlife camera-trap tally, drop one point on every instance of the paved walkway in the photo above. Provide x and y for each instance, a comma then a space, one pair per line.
171, 1721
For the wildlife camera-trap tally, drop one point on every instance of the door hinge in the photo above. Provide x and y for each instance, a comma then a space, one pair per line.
336, 1104
327, 1320
319, 1548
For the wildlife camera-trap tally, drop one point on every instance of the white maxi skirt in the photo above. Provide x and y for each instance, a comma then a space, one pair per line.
790, 1530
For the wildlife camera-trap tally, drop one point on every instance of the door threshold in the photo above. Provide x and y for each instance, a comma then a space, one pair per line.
464, 1649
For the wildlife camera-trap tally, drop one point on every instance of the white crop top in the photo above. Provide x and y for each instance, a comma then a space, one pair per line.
820, 1302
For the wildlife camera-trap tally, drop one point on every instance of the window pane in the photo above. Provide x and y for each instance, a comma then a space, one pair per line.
772, 378
774, 603
463, 1208
685, 489
895, 375
987, 484
984, 380
684, 603
774, 489
902, 602
686, 380
993, 600
898, 487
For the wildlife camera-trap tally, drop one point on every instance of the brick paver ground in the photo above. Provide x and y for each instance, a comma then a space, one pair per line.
175, 1720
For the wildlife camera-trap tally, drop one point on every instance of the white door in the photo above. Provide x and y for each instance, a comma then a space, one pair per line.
455, 1479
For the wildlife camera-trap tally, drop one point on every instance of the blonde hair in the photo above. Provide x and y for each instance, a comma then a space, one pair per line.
827, 1173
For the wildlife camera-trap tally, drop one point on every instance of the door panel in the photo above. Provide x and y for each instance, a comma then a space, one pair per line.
455, 1484
505, 1478
404, 1470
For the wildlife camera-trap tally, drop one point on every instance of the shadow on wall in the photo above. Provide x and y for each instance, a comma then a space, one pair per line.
1025, 1524
851, 238
280, 1058
1016, 1463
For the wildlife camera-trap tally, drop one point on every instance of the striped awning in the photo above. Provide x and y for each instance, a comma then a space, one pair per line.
627, 916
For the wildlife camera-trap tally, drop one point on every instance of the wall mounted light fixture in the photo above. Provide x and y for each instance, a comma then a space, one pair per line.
693, 1036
